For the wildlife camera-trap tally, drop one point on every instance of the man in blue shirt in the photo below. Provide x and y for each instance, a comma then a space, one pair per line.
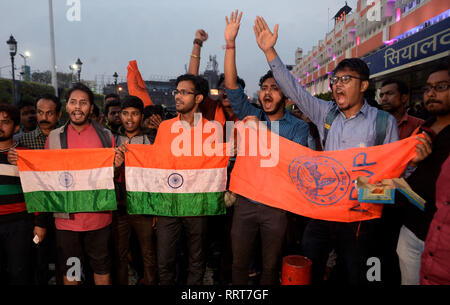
354, 126
251, 217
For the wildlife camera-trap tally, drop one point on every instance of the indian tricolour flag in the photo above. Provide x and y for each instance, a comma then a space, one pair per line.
159, 183
68, 180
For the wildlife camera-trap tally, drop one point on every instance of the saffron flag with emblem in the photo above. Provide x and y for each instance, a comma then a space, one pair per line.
319, 185
68, 180
160, 180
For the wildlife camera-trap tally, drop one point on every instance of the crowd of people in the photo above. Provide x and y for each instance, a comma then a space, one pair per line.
246, 244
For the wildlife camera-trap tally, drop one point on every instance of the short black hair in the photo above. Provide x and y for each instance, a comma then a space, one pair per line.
84, 88
25, 103
53, 98
440, 67
12, 111
266, 76
401, 86
153, 109
112, 103
132, 101
112, 95
200, 84
239, 80
96, 110
354, 64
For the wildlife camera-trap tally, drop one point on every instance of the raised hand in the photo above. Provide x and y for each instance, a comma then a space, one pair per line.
264, 37
202, 35
232, 27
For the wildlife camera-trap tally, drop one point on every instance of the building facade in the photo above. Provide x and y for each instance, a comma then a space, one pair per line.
397, 38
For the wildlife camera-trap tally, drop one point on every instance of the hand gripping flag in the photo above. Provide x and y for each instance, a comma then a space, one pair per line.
136, 85
162, 182
319, 185
68, 180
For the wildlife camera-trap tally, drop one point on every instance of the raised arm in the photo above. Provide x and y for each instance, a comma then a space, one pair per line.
194, 64
238, 99
231, 31
316, 109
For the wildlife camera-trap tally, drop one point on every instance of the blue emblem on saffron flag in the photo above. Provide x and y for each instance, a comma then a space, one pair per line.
321, 180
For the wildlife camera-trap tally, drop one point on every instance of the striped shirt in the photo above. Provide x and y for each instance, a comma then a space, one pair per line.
12, 202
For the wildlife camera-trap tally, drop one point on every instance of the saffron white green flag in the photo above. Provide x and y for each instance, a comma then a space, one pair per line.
159, 183
68, 180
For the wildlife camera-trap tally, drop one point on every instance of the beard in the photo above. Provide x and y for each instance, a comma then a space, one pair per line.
439, 111
5, 138
344, 108
86, 118
186, 109
275, 110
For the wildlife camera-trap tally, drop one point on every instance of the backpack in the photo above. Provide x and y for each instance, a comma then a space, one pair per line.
380, 125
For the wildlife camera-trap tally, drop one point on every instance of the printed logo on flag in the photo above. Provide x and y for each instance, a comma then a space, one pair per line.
175, 180
321, 180
66, 179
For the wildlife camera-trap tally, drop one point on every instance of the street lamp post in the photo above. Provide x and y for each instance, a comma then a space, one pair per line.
12, 43
79, 64
115, 75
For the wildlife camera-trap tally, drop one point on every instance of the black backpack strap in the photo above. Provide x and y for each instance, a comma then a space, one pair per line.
332, 114
380, 126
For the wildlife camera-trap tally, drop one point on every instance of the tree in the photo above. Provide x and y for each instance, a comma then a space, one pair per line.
65, 80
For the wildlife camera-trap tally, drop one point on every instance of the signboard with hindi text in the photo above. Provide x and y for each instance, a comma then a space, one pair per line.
430, 41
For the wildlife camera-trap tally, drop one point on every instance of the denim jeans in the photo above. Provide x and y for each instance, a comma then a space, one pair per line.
409, 250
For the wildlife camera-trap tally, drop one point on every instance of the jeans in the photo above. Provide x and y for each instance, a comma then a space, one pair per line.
142, 225
354, 242
409, 250
168, 233
250, 219
16, 245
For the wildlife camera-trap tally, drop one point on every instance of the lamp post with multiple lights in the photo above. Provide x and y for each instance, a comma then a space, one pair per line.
12, 44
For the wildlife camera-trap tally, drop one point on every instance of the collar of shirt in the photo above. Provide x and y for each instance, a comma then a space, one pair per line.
404, 119
86, 127
287, 117
38, 133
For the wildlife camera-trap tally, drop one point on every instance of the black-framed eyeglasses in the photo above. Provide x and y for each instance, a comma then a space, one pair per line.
345, 79
439, 87
182, 92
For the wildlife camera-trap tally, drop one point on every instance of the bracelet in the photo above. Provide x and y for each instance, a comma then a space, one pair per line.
195, 56
198, 41
229, 47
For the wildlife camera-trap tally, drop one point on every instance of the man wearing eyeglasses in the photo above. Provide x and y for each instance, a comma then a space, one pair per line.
353, 125
416, 223
191, 90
